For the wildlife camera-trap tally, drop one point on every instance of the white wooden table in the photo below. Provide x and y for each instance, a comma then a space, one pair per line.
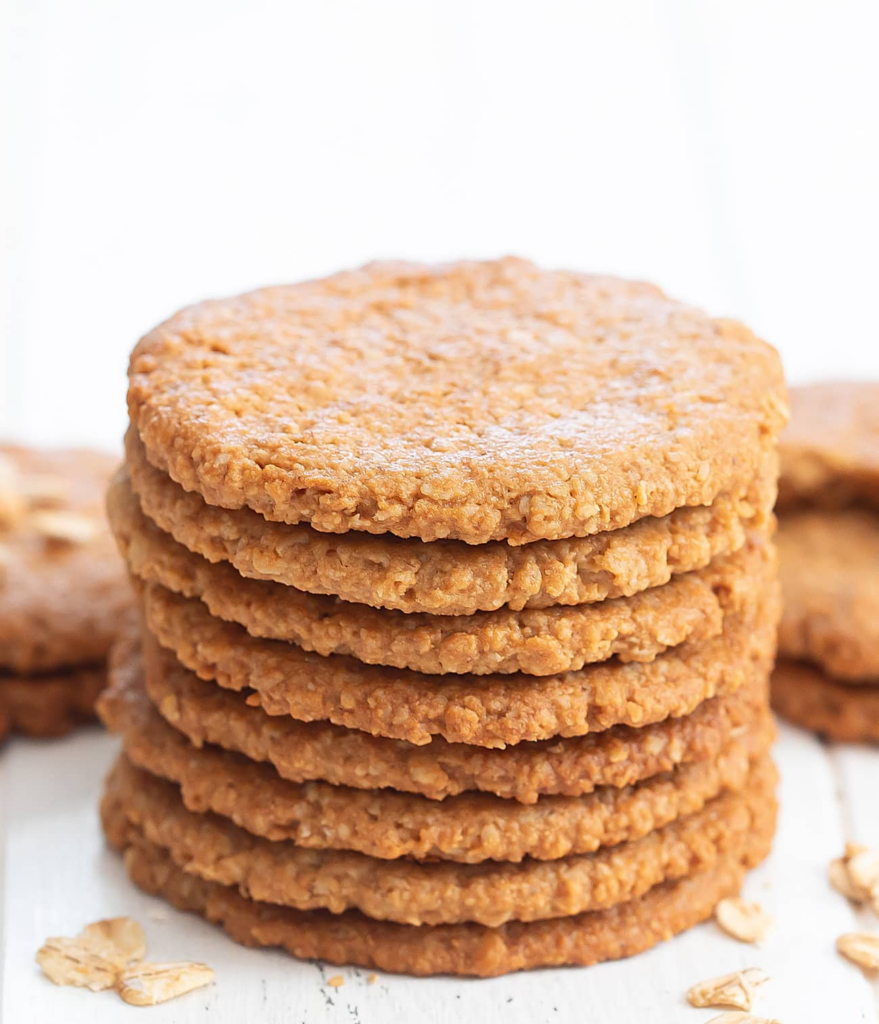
57, 876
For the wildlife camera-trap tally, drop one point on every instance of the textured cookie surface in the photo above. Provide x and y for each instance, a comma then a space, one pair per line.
382, 823
50, 704
486, 710
830, 449
469, 949
440, 892
830, 583
450, 577
477, 401
62, 584
807, 697
304, 751
536, 642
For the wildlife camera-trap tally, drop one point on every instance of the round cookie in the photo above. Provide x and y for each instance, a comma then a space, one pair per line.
472, 401
830, 582
536, 642
441, 892
467, 949
382, 823
488, 711
62, 586
450, 577
830, 449
49, 705
306, 751
837, 711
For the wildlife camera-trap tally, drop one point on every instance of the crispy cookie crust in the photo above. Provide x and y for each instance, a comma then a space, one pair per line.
49, 705
488, 711
805, 696
305, 751
476, 401
60, 603
450, 577
830, 450
382, 823
830, 581
441, 892
536, 642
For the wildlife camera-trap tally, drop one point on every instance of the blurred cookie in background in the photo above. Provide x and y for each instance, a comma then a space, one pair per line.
827, 679
63, 590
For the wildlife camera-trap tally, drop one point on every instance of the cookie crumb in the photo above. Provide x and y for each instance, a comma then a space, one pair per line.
735, 990
747, 922
371, 979
337, 981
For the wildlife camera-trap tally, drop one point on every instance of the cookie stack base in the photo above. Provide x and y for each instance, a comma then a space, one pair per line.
462, 949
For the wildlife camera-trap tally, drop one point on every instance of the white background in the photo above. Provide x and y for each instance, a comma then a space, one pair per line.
157, 153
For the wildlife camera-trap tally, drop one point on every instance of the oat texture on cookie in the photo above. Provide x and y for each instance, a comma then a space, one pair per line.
458, 598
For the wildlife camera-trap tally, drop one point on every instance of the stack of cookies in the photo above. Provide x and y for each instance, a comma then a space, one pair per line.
63, 590
827, 678
459, 604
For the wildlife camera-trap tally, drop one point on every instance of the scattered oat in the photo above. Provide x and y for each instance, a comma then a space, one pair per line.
149, 984
856, 875
67, 962
741, 1017
747, 922
119, 940
371, 979
735, 989
862, 948
96, 956
67, 527
337, 981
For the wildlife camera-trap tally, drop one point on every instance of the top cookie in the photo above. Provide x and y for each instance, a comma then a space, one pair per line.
830, 450
474, 401
62, 584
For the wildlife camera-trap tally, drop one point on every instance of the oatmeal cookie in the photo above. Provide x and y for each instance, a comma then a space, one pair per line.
441, 892
382, 823
485, 710
536, 642
448, 577
830, 582
830, 450
62, 584
805, 696
470, 401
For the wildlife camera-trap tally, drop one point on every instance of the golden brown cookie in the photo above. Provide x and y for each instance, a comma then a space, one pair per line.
62, 584
476, 401
450, 577
537, 642
830, 582
830, 450
807, 697
441, 892
485, 710
468, 949
50, 704
305, 751
382, 823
